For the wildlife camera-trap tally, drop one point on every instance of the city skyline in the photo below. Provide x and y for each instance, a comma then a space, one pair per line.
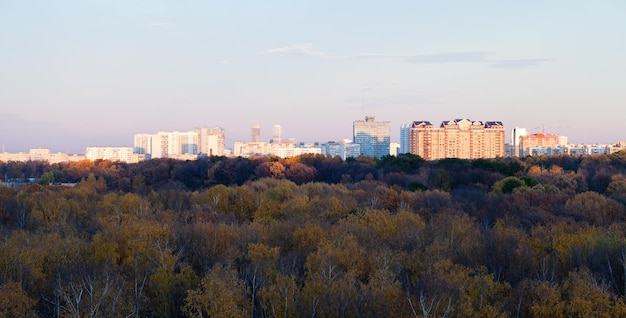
76, 74
269, 137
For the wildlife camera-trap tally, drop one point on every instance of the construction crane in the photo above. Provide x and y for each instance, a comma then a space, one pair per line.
543, 130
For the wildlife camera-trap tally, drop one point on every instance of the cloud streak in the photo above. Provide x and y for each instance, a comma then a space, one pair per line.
463, 57
476, 57
518, 63
454, 57
302, 49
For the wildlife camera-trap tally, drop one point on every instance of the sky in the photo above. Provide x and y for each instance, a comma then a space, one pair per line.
83, 73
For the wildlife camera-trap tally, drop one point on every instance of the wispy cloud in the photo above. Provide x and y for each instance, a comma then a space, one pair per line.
518, 63
454, 57
478, 57
303, 49
464, 57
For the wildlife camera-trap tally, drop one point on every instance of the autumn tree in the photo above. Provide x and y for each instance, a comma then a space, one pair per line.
15, 302
221, 294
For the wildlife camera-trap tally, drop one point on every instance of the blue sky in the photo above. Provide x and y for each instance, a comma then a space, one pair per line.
83, 73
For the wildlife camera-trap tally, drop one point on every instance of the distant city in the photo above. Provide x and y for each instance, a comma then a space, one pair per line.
458, 138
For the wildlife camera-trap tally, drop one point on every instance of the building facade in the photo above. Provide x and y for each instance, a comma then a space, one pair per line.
516, 134
123, 154
40, 154
537, 144
394, 148
405, 138
211, 141
372, 137
142, 144
256, 133
174, 144
459, 138
283, 150
343, 149
277, 134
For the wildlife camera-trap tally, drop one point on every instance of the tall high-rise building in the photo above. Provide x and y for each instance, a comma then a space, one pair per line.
201, 140
460, 138
277, 134
256, 133
405, 138
143, 144
516, 133
372, 137
124, 154
210, 141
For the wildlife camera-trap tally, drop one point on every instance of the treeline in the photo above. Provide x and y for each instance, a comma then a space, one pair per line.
313, 236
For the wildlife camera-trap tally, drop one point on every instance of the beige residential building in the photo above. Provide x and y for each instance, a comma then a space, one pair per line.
40, 154
460, 138
123, 154
284, 150
532, 144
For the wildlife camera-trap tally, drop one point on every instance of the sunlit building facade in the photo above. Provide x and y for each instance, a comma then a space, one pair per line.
166, 144
283, 150
277, 134
123, 154
459, 138
372, 137
211, 141
256, 133
538, 144
394, 148
40, 154
516, 134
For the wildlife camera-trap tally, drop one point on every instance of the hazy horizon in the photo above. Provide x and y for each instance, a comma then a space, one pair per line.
75, 74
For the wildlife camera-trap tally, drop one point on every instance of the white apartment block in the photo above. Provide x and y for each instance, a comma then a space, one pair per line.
211, 141
394, 148
165, 144
142, 144
343, 149
123, 154
571, 149
516, 134
284, 150
40, 154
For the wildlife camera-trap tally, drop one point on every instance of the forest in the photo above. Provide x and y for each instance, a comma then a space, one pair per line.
315, 236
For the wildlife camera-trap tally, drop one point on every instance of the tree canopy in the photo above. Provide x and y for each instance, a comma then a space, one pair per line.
315, 236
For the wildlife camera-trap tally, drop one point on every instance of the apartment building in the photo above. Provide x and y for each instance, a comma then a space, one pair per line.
123, 154
459, 138
535, 144
174, 144
372, 137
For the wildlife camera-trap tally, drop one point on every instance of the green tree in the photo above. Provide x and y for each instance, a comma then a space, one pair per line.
507, 185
